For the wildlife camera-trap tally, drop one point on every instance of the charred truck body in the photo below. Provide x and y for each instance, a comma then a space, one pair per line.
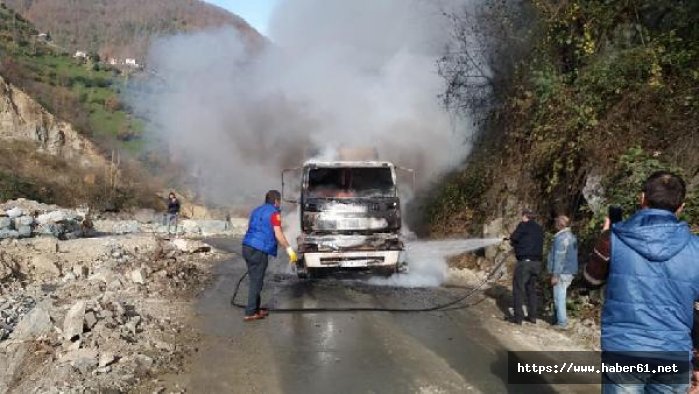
350, 217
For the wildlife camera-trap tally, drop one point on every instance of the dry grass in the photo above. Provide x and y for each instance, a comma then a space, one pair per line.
28, 173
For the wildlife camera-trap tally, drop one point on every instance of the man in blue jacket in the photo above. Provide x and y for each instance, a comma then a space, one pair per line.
261, 240
652, 274
563, 265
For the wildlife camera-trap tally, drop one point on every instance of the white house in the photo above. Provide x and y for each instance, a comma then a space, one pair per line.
80, 54
131, 62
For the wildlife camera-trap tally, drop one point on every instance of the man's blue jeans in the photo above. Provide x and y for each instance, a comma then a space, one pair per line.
644, 383
257, 266
559, 298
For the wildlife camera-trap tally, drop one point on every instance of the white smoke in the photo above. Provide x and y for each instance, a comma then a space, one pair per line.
427, 261
338, 73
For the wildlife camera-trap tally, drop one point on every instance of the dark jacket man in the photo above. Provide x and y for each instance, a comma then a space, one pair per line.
173, 204
528, 243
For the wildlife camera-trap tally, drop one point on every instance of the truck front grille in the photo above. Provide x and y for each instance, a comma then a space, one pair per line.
355, 259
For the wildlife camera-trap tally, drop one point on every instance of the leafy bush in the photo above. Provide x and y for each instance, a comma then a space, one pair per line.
13, 186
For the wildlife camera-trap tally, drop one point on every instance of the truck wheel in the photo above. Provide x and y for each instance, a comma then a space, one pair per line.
386, 272
314, 273
301, 270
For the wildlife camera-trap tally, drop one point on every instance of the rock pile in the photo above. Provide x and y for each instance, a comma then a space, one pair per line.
12, 310
87, 315
24, 218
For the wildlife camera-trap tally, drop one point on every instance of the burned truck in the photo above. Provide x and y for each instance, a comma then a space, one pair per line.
350, 218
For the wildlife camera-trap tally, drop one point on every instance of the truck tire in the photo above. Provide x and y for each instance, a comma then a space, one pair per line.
314, 273
386, 272
301, 270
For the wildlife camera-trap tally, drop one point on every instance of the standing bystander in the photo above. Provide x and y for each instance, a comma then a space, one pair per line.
695, 340
563, 265
173, 211
528, 243
650, 265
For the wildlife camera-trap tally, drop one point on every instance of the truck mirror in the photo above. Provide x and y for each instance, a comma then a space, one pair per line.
285, 174
409, 171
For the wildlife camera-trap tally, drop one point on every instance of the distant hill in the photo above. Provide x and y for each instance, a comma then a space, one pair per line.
124, 28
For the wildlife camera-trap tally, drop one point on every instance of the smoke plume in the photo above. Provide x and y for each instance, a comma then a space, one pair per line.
358, 73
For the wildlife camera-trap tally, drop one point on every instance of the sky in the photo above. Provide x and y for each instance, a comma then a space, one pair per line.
255, 12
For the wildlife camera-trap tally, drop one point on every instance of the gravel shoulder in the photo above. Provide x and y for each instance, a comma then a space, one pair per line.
106, 314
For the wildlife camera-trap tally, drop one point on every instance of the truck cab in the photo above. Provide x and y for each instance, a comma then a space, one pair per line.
350, 217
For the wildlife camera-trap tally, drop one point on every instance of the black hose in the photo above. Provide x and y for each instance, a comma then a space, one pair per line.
450, 305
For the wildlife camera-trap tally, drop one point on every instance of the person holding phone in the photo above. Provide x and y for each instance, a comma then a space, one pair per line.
649, 264
597, 266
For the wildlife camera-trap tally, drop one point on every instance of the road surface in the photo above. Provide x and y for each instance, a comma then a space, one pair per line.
369, 352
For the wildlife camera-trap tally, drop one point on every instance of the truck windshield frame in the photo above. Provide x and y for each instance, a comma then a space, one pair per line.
351, 182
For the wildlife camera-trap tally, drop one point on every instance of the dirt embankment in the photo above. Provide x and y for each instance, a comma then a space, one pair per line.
583, 324
97, 314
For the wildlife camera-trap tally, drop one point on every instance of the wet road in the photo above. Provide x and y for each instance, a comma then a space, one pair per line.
375, 352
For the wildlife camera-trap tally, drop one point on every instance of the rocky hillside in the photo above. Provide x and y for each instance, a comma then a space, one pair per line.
45, 158
123, 28
23, 119
605, 94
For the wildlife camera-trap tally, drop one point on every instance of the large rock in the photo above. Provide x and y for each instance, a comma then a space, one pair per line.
74, 322
238, 225
46, 265
138, 276
5, 223
191, 246
90, 320
45, 245
117, 226
106, 358
103, 275
127, 227
54, 217
593, 191
212, 227
83, 360
14, 213
36, 323
190, 227
23, 221
9, 234
24, 231
50, 229
208, 227
147, 216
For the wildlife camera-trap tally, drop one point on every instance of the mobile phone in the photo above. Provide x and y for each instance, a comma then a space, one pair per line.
616, 214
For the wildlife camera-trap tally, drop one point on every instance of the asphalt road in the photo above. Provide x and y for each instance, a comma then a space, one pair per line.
368, 352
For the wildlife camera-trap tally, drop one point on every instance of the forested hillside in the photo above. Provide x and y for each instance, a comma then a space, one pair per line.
602, 94
84, 97
79, 91
123, 28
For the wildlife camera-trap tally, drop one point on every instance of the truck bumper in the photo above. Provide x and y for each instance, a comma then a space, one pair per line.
358, 259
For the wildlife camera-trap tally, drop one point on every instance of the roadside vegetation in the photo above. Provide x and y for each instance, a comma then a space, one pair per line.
600, 90
601, 94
